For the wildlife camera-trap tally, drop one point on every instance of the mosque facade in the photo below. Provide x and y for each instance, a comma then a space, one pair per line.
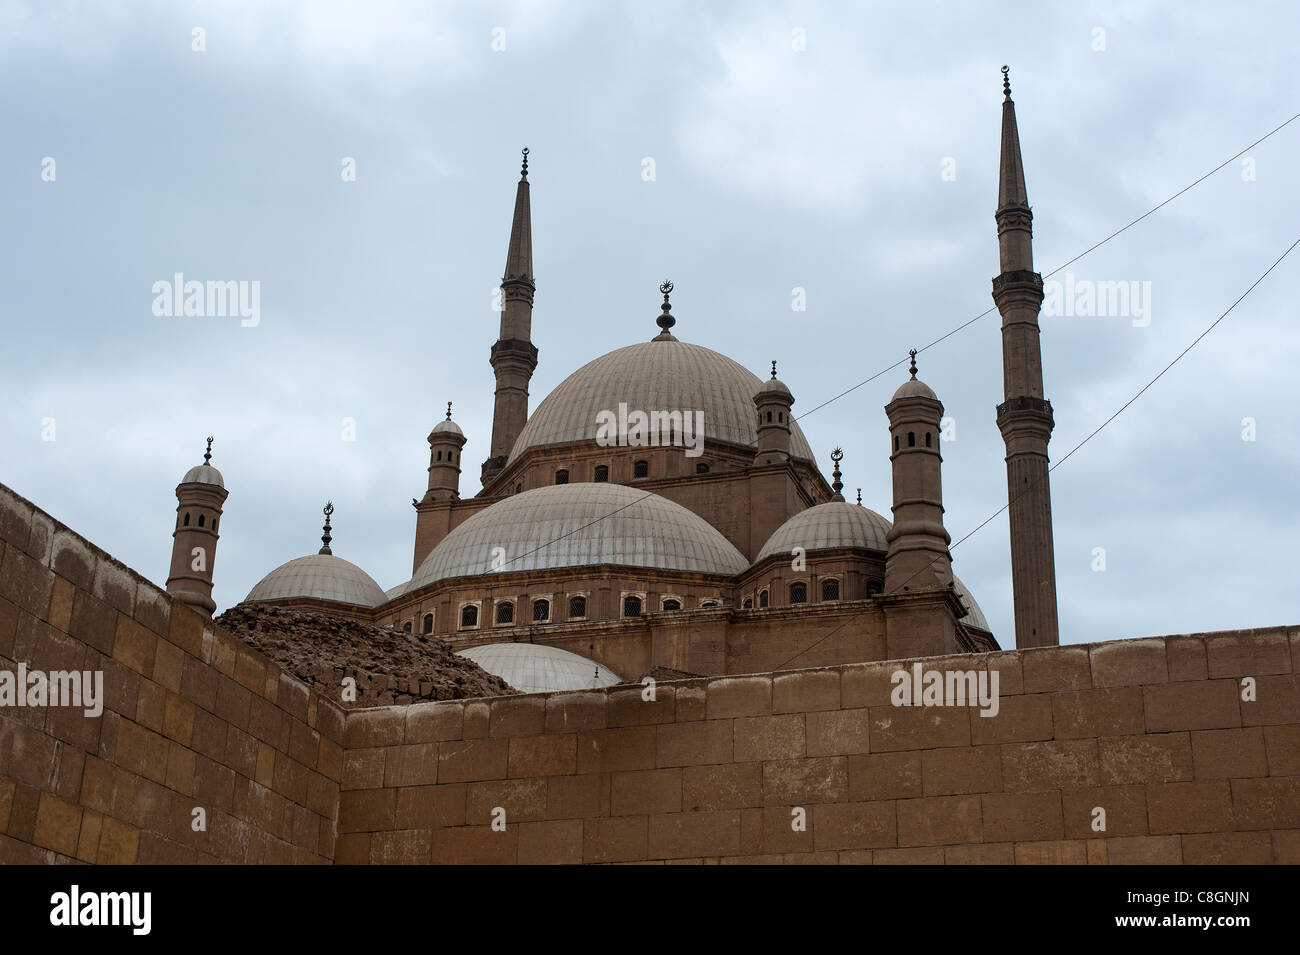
662, 512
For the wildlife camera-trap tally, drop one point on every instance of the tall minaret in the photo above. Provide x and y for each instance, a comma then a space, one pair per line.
194, 542
514, 356
1025, 416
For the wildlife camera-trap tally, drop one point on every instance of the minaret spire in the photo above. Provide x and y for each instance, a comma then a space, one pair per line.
837, 456
514, 357
1025, 416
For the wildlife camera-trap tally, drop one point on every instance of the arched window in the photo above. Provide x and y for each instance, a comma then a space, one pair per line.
762, 598
439, 457
406, 627
469, 616
561, 476
780, 417
518, 488
187, 520
631, 606
428, 623
927, 439
830, 589
200, 520
911, 439
641, 469
874, 587
672, 604
799, 593
602, 472
769, 416
895, 442
708, 603
577, 607
505, 612
214, 523
541, 611
702, 468
748, 604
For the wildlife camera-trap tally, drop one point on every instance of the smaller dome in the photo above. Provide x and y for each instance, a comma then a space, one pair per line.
975, 616
203, 474
394, 592
322, 576
775, 385
828, 526
447, 426
912, 388
535, 668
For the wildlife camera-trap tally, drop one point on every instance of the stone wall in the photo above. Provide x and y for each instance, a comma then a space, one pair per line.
192, 718
1153, 731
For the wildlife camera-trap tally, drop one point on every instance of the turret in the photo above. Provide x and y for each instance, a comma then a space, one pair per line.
773, 402
200, 495
918, 557
445, 443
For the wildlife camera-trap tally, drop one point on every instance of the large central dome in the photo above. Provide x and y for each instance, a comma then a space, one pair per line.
662, 375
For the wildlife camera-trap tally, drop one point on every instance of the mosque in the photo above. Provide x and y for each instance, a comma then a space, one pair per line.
662, 513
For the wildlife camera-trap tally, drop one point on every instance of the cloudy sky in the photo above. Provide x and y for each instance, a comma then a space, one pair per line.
848, 151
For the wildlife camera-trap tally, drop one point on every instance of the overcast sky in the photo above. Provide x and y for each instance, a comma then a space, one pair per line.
861, 168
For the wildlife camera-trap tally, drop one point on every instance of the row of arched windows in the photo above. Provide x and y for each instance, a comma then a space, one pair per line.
185, 521
640, 469
911, 440
505, 612
798, 593
451, 456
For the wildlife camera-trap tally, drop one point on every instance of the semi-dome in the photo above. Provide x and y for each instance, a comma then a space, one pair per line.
203, 474
534, 668
322, 576
828, 526
839, 524
578, 525
664, 375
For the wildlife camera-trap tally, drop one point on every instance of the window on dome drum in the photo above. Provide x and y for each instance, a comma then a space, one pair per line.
641, 469
780, 417
799, 593
469, 616
672, 605
701, 468
505, 613
769, 416
631, 606
602, 472
708, 603
561, 477
406, 627
748, 604
762, 599
541, 611
428, 623
874, 587
200, 520
911, 439
577, 608
830, 589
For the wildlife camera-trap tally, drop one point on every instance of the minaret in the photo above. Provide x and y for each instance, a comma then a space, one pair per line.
514, 357
773, 402
194, 542
1025, 416
918, 557
445, 443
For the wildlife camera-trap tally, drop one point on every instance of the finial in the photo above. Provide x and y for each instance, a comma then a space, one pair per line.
773, 367
912, 352
325, 538
666, 320
449, 411
207, 455
859, 497
1006, 83
837, 486
524, 173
